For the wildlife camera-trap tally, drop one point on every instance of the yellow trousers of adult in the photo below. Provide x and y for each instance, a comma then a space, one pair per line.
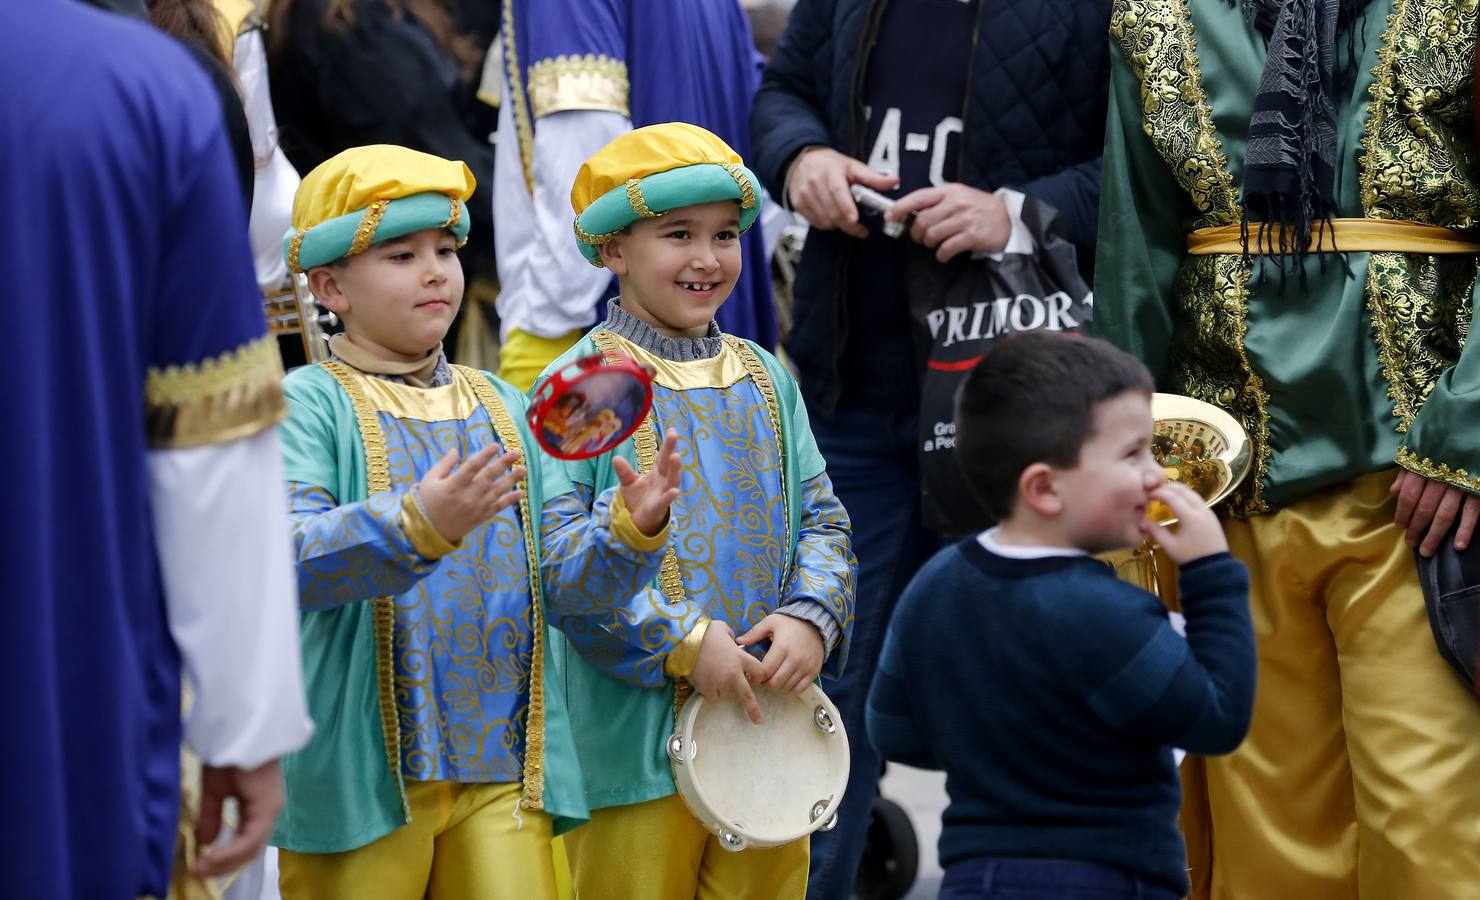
1360, 777
462, 843
658, 851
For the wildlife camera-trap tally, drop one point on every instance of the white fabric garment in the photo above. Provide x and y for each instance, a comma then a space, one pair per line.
221, 531
1018, 240
547, 288
988, 540
275, 181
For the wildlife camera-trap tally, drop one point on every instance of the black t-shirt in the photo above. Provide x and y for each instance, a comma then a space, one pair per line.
914, 94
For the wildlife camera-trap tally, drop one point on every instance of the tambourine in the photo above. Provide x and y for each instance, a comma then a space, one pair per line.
590, 406
766, 785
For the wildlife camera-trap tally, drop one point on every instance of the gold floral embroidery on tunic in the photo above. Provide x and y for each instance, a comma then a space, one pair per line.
1209, 362
1418, 149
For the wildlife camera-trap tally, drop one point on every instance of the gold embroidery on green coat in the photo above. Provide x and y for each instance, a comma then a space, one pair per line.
1417, 164
1209, 361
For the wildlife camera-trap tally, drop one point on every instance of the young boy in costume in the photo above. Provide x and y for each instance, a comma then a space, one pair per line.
760, 548
442, 762
1059, 759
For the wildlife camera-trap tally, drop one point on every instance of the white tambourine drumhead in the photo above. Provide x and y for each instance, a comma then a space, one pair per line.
763, 785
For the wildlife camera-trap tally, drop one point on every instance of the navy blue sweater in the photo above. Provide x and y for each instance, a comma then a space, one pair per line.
1051, 693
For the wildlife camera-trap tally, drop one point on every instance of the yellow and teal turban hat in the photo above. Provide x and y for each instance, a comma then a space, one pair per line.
647, 172
366, 195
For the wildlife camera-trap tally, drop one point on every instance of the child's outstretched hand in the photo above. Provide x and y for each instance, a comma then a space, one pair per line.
649, 496
1198, 533
723, 667
458, 500
796, 654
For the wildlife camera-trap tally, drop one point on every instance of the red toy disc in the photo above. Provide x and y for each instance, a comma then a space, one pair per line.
590, 406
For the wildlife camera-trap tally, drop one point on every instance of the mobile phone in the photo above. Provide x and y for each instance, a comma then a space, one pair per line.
872, 200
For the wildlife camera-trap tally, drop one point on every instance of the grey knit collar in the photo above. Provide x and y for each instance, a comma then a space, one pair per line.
623, 323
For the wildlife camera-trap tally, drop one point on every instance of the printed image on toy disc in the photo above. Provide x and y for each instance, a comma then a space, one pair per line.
593, 415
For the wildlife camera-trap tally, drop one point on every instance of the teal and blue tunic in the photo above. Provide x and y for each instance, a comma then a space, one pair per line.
756, 529
425, 660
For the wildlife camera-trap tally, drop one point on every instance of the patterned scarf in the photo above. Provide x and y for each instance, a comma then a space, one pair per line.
1289, 172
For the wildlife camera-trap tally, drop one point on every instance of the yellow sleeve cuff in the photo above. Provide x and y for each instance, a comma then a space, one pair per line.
681, 659
627, 531
425, 539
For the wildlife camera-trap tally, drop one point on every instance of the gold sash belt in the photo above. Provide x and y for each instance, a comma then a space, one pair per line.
1344, 235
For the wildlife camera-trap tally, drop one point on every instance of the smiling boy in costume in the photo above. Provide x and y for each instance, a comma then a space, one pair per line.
442, 764
760, 546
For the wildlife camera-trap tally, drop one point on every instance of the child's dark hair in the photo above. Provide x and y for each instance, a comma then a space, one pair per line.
1032, 399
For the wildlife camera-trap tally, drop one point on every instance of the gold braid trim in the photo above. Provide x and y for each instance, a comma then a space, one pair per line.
1209, 362
534, 728
1437, 471
634, 197
369, 221
293, 249
747, 192
593, 81
455, 214
587, 237
378, 481
220, 399
523, 127
646, 441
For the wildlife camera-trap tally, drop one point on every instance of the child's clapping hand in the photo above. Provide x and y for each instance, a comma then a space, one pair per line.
457, 500
796, 654
649, 496
723, 667
1198, 532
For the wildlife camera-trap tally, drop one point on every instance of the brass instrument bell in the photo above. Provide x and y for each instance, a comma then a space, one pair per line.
294, 310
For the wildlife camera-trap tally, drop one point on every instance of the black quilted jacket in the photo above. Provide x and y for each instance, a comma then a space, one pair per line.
1034, 121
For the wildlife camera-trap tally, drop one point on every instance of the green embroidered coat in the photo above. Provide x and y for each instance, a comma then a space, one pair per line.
1336, 376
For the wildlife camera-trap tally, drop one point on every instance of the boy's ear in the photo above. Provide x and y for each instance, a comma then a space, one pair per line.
324, 282
611, 256
1037, 488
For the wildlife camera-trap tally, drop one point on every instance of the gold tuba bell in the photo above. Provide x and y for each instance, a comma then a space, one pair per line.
294, 310
1200, 446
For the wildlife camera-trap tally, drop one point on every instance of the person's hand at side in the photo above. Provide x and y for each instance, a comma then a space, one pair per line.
259, 799
723, 668
795, 656
649, 496
1198, 532
1428, 508
954, 219
457, 500
817, 186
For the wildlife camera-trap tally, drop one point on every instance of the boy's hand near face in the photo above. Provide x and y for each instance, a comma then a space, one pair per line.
649, 496
723, 667
1198, 533
796, 654
458, 500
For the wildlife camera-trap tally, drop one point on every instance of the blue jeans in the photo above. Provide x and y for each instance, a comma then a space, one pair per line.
1045, 879
871, 460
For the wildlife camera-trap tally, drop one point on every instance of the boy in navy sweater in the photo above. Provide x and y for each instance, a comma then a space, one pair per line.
1050, 692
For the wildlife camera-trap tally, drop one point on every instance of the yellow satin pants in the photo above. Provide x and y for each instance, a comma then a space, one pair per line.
658, 851
523, 356
462, 843
1360, 777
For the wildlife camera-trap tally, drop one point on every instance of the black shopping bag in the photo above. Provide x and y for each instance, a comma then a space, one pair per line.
958, 311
